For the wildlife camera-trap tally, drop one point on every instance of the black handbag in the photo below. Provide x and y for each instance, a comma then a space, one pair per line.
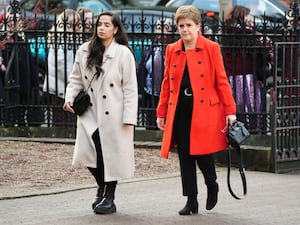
237, 134
82, 101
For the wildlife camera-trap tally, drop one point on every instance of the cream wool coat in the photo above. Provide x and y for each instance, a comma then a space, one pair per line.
114, 99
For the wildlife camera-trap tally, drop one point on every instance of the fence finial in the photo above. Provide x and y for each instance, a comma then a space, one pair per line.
14, 7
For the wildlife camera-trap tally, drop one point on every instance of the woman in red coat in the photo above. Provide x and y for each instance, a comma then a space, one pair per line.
195, 106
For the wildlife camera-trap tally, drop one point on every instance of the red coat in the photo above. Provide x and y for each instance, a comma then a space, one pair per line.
212, 96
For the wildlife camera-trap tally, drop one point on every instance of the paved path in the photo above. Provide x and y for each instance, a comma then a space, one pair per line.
273, 199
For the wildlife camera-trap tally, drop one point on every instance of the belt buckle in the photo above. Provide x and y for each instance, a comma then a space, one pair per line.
187, 92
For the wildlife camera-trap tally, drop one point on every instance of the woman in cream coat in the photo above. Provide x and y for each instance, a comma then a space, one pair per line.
104, 139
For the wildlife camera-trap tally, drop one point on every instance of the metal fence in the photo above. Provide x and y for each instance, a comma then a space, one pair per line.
285, 108
267, 98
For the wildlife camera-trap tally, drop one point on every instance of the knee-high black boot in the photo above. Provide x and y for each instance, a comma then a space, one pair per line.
98, 172
110, 189
190, 207
107, 205
101, 186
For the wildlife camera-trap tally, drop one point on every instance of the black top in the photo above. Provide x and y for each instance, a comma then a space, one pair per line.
185, 82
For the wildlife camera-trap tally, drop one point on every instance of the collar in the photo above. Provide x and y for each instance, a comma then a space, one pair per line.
199, 44
111, 50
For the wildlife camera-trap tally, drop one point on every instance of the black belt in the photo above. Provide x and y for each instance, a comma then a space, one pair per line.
187, 92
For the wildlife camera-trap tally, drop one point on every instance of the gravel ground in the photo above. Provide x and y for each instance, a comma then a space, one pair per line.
28, 167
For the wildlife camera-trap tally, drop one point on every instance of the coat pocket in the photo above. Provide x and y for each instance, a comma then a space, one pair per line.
214, 100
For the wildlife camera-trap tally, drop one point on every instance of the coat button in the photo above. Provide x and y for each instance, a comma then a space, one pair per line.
172, 78
202, 75
111, 85
85, 77
202, 89
106, 113
104, 96
174, 65
92, 90
202, 101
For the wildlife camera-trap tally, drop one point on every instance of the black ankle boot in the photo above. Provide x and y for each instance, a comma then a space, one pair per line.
191, 207
106, 206
212, 196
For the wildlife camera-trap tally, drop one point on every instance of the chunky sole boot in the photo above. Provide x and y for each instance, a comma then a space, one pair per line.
99, 196
189, 208
97, 201
212, 197
106, 206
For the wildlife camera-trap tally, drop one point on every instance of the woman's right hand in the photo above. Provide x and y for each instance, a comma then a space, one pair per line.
160, 123
68, 107
230, 120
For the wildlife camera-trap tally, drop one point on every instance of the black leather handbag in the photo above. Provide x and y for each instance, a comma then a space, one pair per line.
237, 134
81, 102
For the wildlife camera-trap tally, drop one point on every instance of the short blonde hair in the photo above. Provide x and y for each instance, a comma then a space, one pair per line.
188, 12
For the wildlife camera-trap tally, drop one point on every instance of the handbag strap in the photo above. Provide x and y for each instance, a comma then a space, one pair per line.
241, 170
90, 82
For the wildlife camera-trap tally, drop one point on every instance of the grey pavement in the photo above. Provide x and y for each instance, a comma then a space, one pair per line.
272, 199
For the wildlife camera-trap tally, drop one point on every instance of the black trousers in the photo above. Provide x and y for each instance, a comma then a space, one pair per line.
182, 125
107, 189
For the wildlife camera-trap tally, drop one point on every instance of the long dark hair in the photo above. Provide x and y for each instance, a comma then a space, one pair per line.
96, 48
